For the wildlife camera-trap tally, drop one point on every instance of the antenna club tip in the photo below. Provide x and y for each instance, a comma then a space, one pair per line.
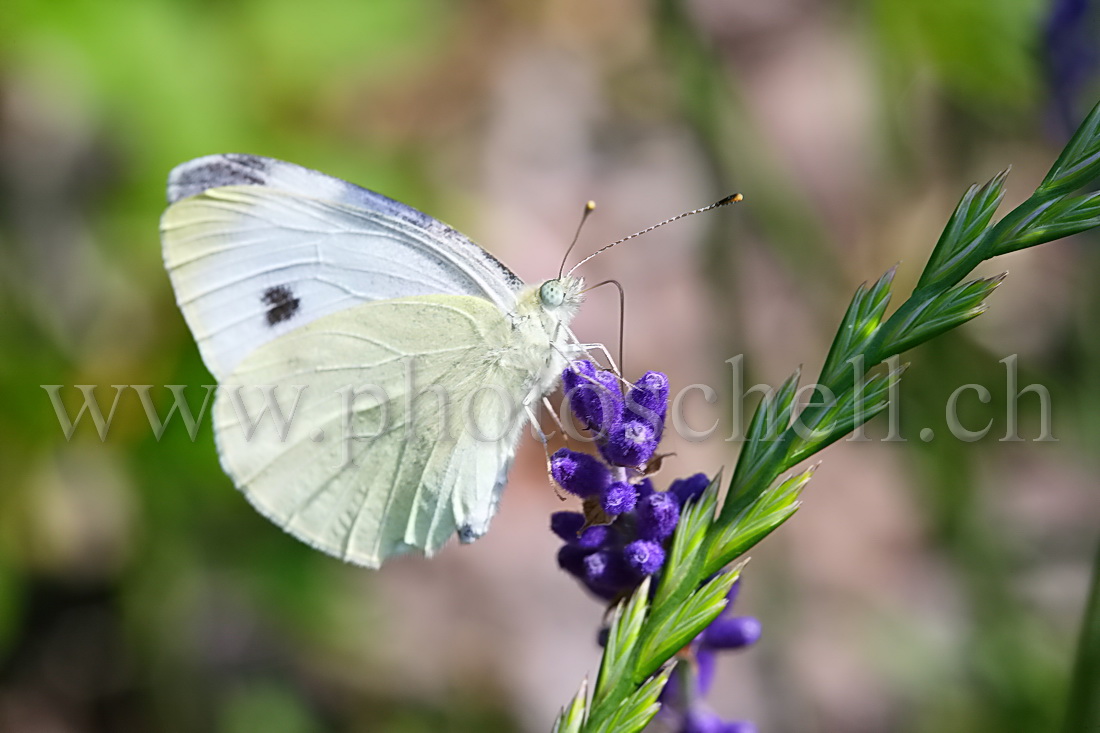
731, 199
590, 206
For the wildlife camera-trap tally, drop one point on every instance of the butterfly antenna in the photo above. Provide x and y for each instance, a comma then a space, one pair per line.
731, 199
588, 209
622, 316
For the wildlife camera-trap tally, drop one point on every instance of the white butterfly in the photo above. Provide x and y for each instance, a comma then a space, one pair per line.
376, 323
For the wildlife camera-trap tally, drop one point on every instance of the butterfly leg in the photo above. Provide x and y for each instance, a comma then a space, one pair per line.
545, 440
576, 348
557, 420
584, 349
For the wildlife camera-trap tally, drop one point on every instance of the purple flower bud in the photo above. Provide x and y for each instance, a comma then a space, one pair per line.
644, 556
701, 721
619, 497
566, 525
690, 488
594, 537
603, 592
579, 473
738, 726
731, 633
575, 374
657, 515
571, 559
704, 675
630, 443
644, 487
597, 566
603, 635
594, 395
648, 399
605, 571
611, 398
703, 671
731, 596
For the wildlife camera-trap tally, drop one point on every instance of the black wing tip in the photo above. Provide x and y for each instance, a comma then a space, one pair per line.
211, 171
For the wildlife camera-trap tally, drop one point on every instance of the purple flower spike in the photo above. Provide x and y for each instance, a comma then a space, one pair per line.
631, 443
732, 633
612, 560
644, 557
619, 497
566, 525
594, 537
594, 395
579, 473
701, 721
657, 515
690, 488
648, 400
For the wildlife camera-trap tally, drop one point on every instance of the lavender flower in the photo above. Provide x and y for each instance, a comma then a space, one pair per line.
1070, 54
732, 633
704, 721
618, 498
644, 557
566, 525
594, 396
579, 473
606, 573
611, 560
595, 537
571, 559
689, 489
658, 514
630, 443
648, 400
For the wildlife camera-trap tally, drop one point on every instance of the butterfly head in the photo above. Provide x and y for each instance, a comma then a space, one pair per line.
561, 292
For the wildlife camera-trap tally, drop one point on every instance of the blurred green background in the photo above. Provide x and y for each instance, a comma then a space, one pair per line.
925, 586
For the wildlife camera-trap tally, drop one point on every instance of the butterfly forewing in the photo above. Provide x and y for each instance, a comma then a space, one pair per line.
257, 247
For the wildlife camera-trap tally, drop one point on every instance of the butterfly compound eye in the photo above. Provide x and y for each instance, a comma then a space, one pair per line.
552, 294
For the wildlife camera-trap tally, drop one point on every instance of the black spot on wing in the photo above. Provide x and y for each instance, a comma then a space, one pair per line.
230, 169
281, 303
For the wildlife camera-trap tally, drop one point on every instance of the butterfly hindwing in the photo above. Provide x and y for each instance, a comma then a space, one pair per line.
444, 420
